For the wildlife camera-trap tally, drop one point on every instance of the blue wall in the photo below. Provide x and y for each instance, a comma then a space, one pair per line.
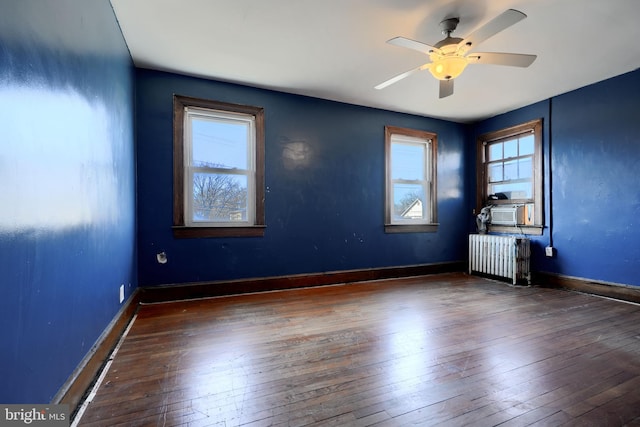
325, 215
68, 195
592, 179
67, 168
596, 181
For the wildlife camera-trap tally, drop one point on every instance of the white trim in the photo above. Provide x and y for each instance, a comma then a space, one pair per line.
249, 120
425, 182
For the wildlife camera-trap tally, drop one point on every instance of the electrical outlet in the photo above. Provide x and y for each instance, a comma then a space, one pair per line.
121, 293
548, 251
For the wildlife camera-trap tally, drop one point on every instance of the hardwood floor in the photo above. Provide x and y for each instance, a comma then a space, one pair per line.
446, 349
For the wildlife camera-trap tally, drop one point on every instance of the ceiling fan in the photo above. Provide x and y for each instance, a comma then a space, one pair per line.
449, 57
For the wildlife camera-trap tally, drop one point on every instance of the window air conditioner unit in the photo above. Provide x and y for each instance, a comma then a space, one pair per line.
507, 215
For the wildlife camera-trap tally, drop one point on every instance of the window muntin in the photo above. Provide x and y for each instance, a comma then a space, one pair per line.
218, 169
410, 188
510, 162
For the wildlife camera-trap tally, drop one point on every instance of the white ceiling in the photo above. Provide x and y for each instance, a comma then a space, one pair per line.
337, 50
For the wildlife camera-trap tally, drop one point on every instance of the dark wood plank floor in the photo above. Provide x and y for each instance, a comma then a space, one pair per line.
438, 350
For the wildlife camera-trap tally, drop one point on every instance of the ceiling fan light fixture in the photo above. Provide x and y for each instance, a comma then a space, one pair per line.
448, 67
448, 56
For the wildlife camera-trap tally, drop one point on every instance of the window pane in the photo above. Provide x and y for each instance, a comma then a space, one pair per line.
526, 145
525, 167
407, 161
510, 170
495, 151
495, 172
408, 201
518, 190
221, 143
219, 197
511, 148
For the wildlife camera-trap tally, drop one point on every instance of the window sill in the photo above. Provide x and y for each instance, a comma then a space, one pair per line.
411, 228
531, 230
182, 232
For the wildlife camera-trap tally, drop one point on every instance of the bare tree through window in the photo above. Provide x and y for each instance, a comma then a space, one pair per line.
219, 197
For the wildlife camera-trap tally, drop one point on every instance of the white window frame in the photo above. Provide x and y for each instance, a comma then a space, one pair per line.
218, 116
428, 140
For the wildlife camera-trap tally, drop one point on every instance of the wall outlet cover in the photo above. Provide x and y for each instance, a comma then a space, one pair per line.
548, 251
121, 293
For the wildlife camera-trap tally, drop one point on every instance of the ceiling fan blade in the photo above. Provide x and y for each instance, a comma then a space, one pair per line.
493, 27
446, 88
495, 58
402, 76
412, 44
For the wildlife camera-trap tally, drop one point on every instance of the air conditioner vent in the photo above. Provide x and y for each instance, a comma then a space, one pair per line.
507, 215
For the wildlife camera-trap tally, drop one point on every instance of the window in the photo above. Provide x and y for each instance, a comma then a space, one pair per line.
510, 174
218, 169
410, 204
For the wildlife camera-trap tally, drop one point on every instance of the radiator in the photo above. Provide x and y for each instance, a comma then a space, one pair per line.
503, 256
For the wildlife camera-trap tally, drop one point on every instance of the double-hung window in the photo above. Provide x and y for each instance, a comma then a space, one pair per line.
510, 173
218, 169
410, 204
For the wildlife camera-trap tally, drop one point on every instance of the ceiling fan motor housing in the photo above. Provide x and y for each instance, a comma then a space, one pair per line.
449, 25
